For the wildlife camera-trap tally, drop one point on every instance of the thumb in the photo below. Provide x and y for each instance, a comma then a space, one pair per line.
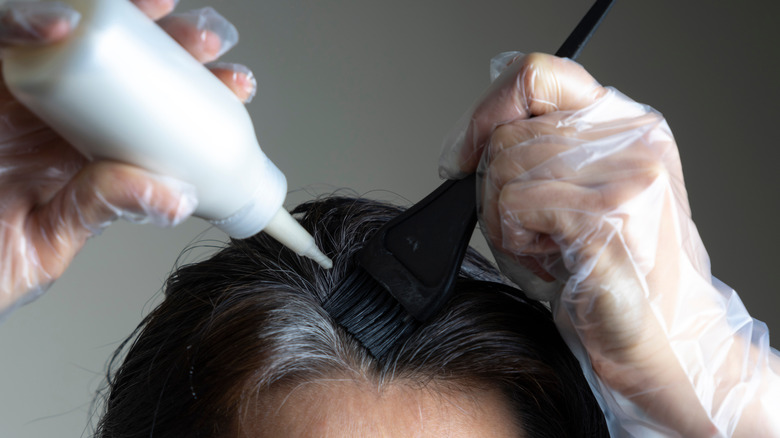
531, 86
99, 194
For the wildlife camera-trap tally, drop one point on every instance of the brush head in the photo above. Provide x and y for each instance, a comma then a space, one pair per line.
417, 255
369, 312
408, 269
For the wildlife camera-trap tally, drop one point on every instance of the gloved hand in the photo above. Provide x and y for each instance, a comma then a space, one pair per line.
51, 198
581, 192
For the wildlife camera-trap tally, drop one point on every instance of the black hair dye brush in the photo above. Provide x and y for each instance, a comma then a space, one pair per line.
408, 269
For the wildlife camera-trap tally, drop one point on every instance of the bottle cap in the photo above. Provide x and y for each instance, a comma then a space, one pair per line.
257, 213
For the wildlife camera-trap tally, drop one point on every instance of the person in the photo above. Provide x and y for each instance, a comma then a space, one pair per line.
581, 198
241, 344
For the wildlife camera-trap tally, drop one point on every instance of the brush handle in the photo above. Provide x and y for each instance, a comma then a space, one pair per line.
449, 215
417, 255
571, 48
419, 268
585, 29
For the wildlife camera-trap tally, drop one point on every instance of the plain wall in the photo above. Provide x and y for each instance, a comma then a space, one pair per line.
360, 93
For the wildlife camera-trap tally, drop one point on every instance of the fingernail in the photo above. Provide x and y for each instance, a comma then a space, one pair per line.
500, 62
249, 83
188, 202
449, 164
163, 210
35, 23
448, 169
209, 20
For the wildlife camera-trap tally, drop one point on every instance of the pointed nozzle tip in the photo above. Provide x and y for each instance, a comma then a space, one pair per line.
315, 254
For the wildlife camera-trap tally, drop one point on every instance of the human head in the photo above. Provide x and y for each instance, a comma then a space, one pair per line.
238, 333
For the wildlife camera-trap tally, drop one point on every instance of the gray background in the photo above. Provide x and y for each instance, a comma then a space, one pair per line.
360, 93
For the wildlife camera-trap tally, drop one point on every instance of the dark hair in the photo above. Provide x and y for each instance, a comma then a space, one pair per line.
250, 319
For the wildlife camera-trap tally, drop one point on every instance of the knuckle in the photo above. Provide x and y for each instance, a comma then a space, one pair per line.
538, 86
502, 136
113, 182
510, 135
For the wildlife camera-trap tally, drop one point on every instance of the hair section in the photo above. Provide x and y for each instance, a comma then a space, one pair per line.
249, 320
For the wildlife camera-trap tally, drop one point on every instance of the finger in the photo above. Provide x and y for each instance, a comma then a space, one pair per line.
531, 257
556, 208
156, 9
239, 78
567, 234
204, 33
552, 146
532, 86
105, 191
524, 241
519, 147
35, 23
101, 193
578, 217
570, 160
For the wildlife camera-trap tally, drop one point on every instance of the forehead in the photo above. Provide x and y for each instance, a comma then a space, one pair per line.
348, 408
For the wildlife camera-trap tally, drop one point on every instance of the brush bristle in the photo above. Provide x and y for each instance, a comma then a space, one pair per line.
369, 312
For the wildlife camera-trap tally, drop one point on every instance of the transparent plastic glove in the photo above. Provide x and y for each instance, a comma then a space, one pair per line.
580, 184
51, 198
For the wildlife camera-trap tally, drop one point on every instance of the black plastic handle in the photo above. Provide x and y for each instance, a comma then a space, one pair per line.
417, 255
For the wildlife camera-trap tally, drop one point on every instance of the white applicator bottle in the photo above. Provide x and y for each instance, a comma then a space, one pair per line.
120, 88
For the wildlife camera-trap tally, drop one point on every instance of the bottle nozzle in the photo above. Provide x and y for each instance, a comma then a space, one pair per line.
315, 254
284, 228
